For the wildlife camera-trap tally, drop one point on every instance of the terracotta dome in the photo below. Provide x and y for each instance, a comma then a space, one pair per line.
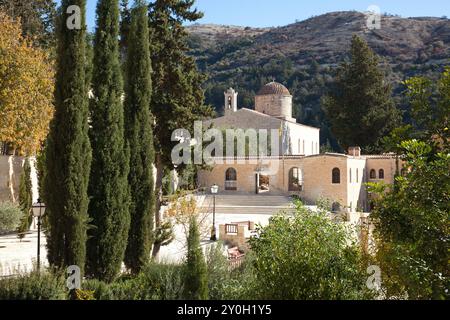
273, 88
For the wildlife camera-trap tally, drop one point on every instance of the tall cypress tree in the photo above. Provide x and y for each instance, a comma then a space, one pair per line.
195, 272
178, 98
360, 108
68, 150
108, 186
140, 139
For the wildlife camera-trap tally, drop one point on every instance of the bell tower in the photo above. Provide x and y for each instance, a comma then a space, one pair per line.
230, 101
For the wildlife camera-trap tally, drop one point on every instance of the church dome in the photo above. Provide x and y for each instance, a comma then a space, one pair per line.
273, 88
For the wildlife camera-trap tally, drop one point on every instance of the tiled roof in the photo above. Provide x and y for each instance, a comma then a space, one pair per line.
273, 88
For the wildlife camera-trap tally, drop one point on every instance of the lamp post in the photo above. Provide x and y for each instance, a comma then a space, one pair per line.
214, 190
38, 211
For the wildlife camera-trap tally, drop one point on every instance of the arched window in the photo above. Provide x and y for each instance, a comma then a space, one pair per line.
231, 179
336, 176
295, 179
373, 174
381, 174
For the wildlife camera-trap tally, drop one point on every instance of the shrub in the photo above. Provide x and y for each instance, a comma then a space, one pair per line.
218, 270
10, 215
34, 286
307, 256
100, 289
155, 282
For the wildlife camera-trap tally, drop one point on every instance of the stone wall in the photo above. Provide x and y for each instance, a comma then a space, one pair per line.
11, 168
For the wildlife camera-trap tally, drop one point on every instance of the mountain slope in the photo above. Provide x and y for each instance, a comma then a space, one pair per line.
303, 55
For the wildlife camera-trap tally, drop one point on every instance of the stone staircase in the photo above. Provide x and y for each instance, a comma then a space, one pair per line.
249, 204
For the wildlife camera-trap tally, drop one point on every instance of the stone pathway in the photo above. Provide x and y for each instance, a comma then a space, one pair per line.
20, 255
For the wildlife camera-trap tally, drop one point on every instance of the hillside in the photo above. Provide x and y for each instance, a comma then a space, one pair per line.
303, 55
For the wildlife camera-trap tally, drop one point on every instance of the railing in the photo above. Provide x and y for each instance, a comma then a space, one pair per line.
231, 228
248, 224
230, 185
236, 262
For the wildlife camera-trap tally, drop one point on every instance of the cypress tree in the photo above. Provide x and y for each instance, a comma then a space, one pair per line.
68, 150
108, 187
360, 108
25, 199
196, 277
140, 139
178, 97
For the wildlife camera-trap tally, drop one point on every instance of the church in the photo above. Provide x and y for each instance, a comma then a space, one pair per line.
299, 168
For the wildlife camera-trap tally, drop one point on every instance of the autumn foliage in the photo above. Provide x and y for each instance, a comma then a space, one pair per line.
26, 89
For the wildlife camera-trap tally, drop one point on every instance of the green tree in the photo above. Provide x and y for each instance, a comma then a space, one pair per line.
138, 124
195, 274
108, 185
10, 216
25, 199
430, 108
178, 98
68, 150
37, 18
412, 225
359, 107
307, 256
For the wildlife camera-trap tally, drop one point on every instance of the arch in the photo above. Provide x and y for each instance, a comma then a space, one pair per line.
373, 174
231, 179
295, 179
336, 176
381, 174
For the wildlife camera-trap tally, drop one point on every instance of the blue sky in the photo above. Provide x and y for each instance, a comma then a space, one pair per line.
268, 13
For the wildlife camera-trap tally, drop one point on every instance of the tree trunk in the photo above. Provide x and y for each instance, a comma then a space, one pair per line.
158, 198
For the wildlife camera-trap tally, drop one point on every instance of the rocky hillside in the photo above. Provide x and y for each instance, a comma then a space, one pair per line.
303, 55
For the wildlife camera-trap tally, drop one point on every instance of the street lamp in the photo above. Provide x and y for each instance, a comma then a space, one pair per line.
38, 211
214, 191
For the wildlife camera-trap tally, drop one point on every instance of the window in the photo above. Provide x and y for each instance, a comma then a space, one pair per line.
350, 175
312, 147
381, 174
304, 147
299, 146
336, 176
357, 175
231, 179
373, 174
295, 179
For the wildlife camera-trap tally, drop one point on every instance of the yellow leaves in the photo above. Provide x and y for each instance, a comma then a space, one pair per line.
26, 89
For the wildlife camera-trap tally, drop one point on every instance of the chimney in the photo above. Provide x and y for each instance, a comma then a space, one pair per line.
354, 151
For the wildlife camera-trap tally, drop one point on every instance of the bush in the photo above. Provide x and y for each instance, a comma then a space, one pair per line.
307, 256
218, 270
10, 215
34, 286
155, 282
162, 281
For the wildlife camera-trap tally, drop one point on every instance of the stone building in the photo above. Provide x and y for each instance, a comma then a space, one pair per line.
299, 169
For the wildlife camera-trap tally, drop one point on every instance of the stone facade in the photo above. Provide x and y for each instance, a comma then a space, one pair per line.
299, 168
315, 177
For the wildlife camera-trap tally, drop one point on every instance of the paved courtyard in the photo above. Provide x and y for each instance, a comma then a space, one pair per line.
20, 255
